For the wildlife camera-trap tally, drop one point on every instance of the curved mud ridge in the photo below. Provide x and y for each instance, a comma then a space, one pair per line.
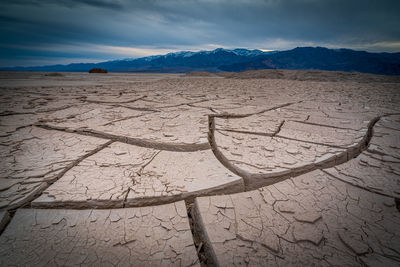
227, 188
132, 141
226, 115
255, 180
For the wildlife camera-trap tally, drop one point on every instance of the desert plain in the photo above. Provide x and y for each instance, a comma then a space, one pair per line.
267, 168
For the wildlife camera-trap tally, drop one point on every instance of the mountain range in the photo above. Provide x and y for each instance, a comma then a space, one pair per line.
237, 60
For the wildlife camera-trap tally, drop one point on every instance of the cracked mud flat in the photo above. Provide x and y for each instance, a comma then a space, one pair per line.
153, 236
95, 168
312, 219
126, 175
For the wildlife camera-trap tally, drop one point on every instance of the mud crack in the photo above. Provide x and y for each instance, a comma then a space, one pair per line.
45, 184
256, 180
132, 141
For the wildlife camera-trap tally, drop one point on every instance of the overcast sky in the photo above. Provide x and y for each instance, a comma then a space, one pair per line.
42, 32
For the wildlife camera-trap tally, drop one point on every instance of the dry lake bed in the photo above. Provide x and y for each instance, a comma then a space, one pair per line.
273, 168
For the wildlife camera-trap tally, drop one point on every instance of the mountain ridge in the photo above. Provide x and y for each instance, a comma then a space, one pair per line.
240, 59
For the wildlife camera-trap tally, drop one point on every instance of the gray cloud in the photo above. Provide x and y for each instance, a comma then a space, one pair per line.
68, 3
178, 24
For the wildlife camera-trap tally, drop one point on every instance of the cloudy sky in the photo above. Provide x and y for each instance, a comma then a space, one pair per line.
42, 32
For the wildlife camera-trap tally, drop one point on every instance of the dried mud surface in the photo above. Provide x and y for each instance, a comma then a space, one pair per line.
268, 168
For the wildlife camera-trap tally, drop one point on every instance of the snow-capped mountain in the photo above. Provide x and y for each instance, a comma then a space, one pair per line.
241, 59
182, 61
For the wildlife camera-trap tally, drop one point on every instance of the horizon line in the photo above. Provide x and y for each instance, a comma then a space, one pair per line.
180, 51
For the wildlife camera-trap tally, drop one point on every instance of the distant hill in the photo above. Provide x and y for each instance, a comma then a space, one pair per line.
237, 60
320, 58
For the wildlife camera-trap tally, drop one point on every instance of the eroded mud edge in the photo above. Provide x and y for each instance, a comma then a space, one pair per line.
131, 140
125, 202
254, 181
